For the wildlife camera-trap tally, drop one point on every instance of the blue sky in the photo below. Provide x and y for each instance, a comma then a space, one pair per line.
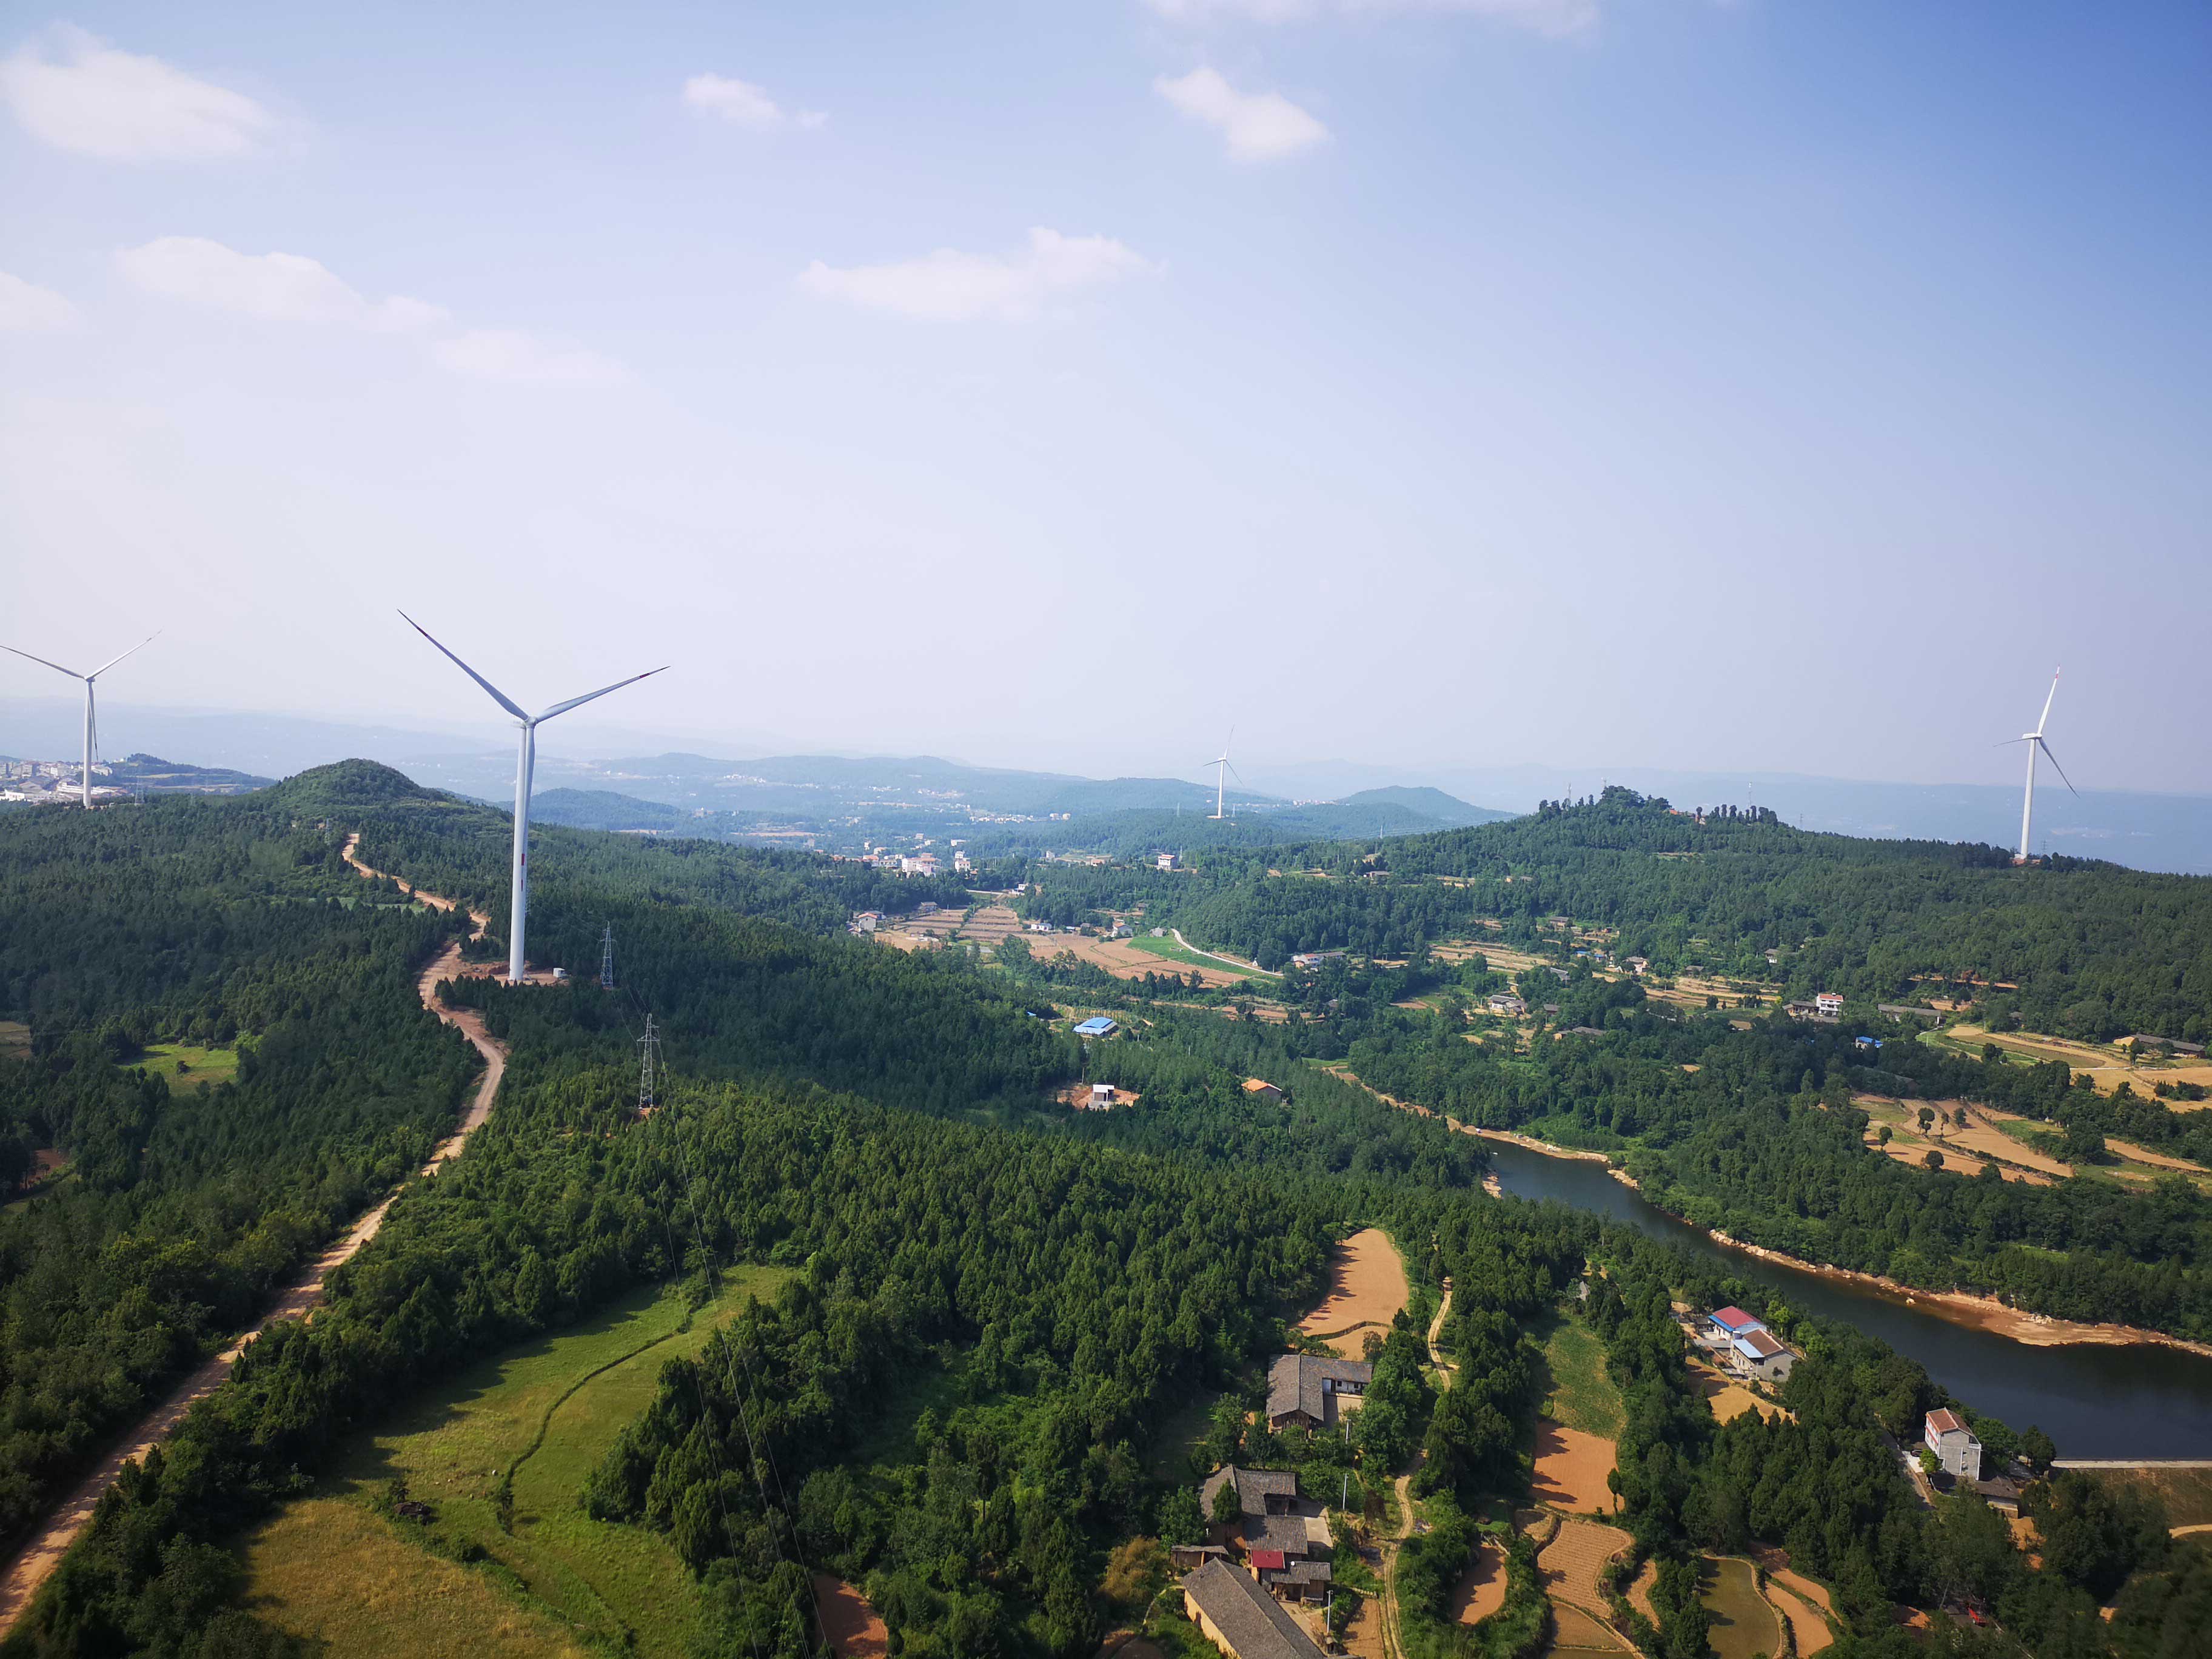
1773, 384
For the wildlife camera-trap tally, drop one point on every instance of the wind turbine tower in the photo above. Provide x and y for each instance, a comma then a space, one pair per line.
526, 762
2037, 746
84, 783
1222, 770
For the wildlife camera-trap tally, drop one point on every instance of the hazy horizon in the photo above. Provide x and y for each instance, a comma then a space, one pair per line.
1579, 384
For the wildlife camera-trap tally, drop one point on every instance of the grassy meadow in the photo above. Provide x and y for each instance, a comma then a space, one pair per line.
186, 1066
1579, 1395
557, 1581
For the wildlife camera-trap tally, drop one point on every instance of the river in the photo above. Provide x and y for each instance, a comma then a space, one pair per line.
2144, 1400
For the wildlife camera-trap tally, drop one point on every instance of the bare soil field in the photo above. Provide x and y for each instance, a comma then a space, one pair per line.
1810, 1631
1959, 1147
1481, 1591
856, 1630
1077, 1098
15, 1039
1729, 1398
1367, 1290
1570, 1469
1122, 959
1577, 1554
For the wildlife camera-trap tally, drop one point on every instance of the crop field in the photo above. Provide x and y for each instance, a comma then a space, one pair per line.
15, 1039
1727, 1398
542, 1414
2187, 1493
1481, 1589
1576, 1555
1744, 1625
1581, 1396
2108, 1066
1570, 1469
1127, 958
1577, 1632
1184, 956
185, 1066
1367, 1290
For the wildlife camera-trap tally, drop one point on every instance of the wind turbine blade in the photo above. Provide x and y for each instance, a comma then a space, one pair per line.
2054, 766
1237, 774
112, 661
2046, 720
572, 703
43, 662
497, 696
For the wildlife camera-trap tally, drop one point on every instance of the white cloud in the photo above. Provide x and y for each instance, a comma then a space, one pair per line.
520, 359
286, 287
77, 92
26, 308
1559, 18
949, 286
743, 104
1259, 126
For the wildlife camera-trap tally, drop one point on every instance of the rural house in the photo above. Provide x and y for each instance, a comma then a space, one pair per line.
1302, 1389
1732, 1321
1759, 1355
1504, 1002
1953, 1443
1258, 1088
1828, 1004
1233, 1613
1260, 1492
1102, 1097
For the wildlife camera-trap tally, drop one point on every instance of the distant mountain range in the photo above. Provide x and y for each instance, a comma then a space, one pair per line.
2146, 831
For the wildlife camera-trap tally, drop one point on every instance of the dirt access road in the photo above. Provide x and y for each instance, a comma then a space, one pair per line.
36, 1562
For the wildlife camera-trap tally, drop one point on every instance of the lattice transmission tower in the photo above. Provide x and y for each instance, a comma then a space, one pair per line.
607, 959
649, 1069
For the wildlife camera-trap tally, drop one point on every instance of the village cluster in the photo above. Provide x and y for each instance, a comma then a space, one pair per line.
1264, 1544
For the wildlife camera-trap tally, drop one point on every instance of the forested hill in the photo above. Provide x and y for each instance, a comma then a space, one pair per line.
2077, 947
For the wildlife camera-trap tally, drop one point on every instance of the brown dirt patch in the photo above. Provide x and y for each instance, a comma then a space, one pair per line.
1577, 1554
1481, 1589
1729, 1398
1811, 1632
856, 1630
1571, 1468
1122, 959
1077, 1097
1367, 1290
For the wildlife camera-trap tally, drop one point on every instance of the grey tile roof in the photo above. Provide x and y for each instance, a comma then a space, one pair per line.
1294, 1381
1247, 1616
1286, 1533
1254, 1488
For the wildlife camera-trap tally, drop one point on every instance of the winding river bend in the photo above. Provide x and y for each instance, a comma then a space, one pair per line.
2138, 1401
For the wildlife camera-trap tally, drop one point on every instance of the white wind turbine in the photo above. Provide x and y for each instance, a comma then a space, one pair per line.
1222, 770
2035, 744
84, 783
526, 762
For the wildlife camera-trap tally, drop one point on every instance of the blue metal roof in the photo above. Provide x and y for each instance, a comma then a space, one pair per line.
1097, 1025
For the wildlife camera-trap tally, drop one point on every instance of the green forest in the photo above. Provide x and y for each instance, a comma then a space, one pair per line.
1062, 1286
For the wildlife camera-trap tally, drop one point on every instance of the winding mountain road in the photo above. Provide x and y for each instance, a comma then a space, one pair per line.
36, 1562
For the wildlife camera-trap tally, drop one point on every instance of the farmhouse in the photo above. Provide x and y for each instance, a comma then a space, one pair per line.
867, 922
1314, 958
1759, 1354
1953, 1443
1102, 1097
1504, 1002
1302, 1389
1258, 1088
1260, 1492
1233, 1613
1165, 861
1828, 1004
1040, 927
1732, 1321
1097, 1026
1638, 964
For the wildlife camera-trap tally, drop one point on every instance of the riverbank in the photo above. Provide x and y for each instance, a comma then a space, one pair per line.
1979, 1312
